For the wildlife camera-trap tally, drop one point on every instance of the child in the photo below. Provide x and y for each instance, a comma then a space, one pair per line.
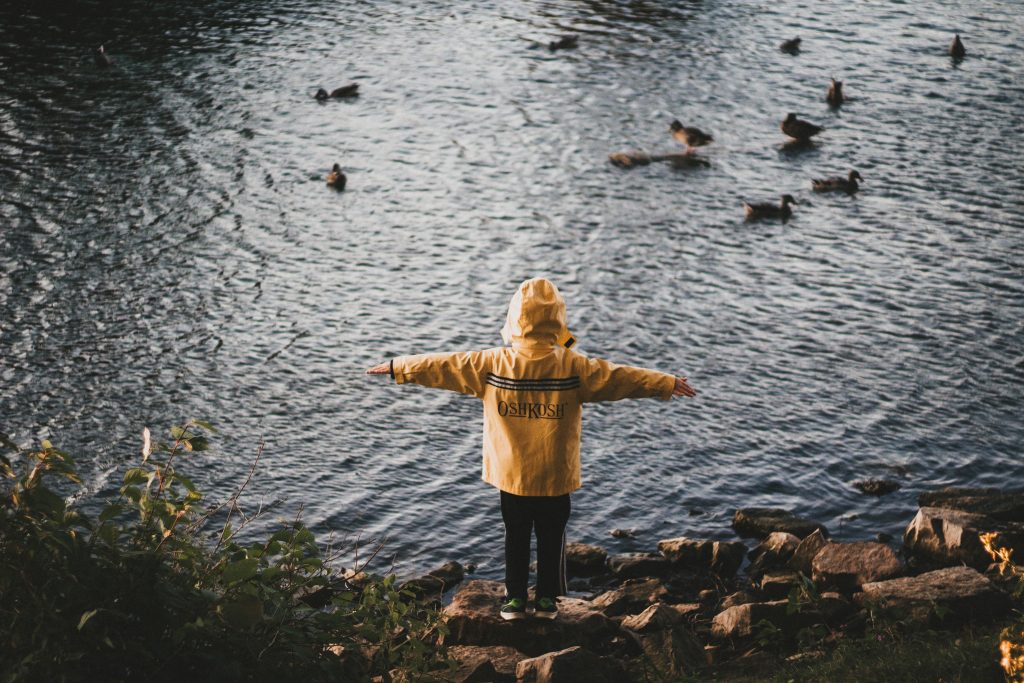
533, 393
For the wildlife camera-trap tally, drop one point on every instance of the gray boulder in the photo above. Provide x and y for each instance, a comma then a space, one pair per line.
473, 619
948, 537
571, 665
721, 557
805, 552
435, 583
847, 566
484, 664
631, 597
774, 552
759, 522
953, 594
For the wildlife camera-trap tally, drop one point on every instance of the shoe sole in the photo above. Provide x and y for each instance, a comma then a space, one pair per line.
545, 615
513, 616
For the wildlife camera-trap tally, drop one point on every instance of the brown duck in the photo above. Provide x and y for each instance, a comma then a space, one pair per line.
336, 178
799, 129
101, 58
769, 210
838, 184
689, 136
835, 93
791, 46
567, 42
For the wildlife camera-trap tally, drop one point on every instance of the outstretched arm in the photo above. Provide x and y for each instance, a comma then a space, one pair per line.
382, 369
682, 387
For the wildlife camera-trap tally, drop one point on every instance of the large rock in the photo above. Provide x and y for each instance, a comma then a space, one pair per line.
673, 651
657, 617
759, 522
484, 664
636, 565
740, 621
473, 619
948, 537
1007, 506
847, 566
774, 552
721, 557
951, 594
778, 584
631, 597
805, 552
571, 665
437, 582
585, 560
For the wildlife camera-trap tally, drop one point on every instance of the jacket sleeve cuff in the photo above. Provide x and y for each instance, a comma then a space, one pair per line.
392, 368
670, 386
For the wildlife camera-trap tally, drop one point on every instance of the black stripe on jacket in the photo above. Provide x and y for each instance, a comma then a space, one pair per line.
556, 384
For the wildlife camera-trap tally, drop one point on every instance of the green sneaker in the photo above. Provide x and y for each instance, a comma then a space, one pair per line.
514, 608
545, 608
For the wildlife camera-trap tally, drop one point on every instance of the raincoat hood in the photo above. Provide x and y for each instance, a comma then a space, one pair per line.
536, 316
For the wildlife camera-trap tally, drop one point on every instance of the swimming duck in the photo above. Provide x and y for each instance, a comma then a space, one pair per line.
838, 184
566, 42
956, 48
350, 90
336, 178
791, 46
799, 129
835, 93
101, 58
691, 137
769, 210
321, 95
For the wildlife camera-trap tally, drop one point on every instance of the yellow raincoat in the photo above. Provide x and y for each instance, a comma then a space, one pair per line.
533, 392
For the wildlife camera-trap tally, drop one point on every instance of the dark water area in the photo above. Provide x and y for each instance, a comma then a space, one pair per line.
168, 249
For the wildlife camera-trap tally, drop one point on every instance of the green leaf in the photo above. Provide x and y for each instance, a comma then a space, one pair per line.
86, 616
240, 570
205, 425
136, 475
111, 511
244, 611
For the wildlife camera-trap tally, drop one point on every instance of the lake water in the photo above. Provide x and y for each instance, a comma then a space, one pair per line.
168, 248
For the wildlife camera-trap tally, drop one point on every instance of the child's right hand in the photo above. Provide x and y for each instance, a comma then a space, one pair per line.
683, 388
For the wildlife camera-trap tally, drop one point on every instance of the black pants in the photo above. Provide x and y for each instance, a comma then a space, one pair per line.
547, 515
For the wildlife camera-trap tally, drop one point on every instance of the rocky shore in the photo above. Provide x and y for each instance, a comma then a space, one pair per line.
701, 608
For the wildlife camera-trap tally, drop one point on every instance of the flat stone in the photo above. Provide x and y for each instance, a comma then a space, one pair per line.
847, 566
686, 610
949, 537
737, 598
657, 617
739, 621
582, 559
473, 619
759, 522
571, 665
673, 651
774, 552
484, 663
631, 597
636, 565
778, 584
1007, 506
805, 552
953, 594
721, 557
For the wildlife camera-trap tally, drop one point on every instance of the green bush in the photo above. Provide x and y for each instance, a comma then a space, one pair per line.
137, 592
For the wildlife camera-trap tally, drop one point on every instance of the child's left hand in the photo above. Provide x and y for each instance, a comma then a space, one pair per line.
382, 369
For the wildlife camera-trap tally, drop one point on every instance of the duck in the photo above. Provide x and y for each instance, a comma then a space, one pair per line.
835, 93
956, 48
321, 95
799, 129
336, 178
566, 42
350, 90
101, 58
769, 210
838, 184
792, 46
689, 136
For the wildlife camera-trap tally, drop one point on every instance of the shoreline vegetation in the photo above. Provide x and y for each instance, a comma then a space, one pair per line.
159, 585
